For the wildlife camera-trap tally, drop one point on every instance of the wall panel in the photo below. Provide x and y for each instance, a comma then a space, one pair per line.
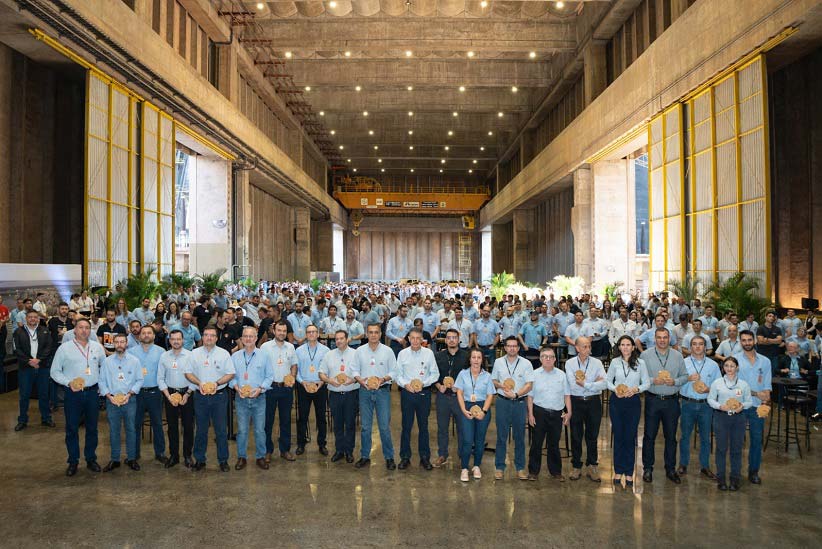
271, 237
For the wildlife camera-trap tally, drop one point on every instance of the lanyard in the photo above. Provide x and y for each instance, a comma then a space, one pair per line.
624, 369
725, 381
701, 366
474, 383
32, 334
248, 360
82, 352
310, 356
508, 367
659, 358
587, 361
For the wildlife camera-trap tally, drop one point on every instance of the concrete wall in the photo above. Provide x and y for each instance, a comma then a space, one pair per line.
502, 247
796, 128
553, 238
271, 237
613, 226
210, 238
322, 251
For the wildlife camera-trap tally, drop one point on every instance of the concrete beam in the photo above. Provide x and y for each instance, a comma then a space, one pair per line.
346, 99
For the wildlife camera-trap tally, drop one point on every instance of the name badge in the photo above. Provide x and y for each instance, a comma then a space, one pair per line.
174, 365
245, 375
121, 377
88, 371
311, 369
372, 363
473, 398
205, 363
280, 361
342, 367
759, 380
145, 372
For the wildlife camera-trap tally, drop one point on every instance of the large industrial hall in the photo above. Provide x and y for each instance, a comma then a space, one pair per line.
411, 273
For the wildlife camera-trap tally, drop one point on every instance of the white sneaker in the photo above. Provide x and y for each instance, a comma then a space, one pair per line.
464, 475
477, 472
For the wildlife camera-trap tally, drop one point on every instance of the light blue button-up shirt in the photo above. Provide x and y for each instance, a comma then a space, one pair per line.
723, 389
281, 356
520, 370
398, 327
171, 370
430, 321
337, 362
509, 326
562, 321
417, 365
486, 330
150, 361
123, 320
254, 369
593, 369
756, 375
708, 373
354, 329
191, 335
72, 361
379, 362
120, 374
648, 338
210, 365
620, 373
471, 313
299, 323
308, 362
145, 316
481, 388
533, 334
549, 389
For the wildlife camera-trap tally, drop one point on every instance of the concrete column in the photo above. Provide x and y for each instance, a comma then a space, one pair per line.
611, 223
524, 248
502, 246
228, 79
322, 246
582, 224
486, 257
338, 250
6, 139
595, 77
210, 246
242, 224
302, 244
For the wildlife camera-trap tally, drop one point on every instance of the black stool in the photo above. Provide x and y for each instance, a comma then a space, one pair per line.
796, 402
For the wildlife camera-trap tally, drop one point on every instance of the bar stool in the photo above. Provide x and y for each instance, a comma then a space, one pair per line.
796, 402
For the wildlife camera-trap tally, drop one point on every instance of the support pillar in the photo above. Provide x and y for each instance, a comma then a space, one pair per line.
524, 248
486, 254
502, 245
242, 225
302, 244
7, 136
582, 224
613, 225
595, 75
228, 78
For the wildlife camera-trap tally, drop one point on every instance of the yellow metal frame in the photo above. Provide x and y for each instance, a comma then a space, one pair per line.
179, 126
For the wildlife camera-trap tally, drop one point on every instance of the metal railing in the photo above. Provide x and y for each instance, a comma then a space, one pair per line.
422, 184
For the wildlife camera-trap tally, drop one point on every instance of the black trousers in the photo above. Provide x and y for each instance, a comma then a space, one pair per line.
665, 412
320, 402
548, 424
585, 421
175, 414
344, 411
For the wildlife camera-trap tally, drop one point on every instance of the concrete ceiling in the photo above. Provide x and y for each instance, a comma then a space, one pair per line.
490, 62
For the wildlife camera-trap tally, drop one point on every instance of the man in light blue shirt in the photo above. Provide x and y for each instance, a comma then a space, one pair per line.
150, 399
338, 370
299, 322
354, 329
694, 406
398, 328
254, 374
121, 374
191, 335
280, 398
532, 336
430, 319
561, 322
550, 394
469, 311
647, 340
309, 357
755, 370
171, 379
145, 314
485, 334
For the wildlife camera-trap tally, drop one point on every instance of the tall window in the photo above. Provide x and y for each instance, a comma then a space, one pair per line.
641, 203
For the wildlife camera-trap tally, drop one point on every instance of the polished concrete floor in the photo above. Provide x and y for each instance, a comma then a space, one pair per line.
315, 503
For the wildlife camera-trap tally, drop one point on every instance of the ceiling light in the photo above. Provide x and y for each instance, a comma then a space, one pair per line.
322, 113
365, 113
514, 89
412, 170
500, 114
308, 88
483, 4
462, 88
341, 147
475, 161
470, 171
560, 5
357, 88
370, 132
442, 161
408, 53
410, 88
532, 55
455, 113
450, 133
376, 147
482, 148
410, 132
470, 54
410, 147
447, 147
490, 133
355, 169
332, 4
410, 113
349, 161
260, 6
288, 55
348, 54
382, 170
333, 132
440, 170
379, 160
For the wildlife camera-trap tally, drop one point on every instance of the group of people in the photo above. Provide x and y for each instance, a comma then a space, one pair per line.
197, 357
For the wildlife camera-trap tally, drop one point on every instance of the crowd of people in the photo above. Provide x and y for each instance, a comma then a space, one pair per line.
202, 359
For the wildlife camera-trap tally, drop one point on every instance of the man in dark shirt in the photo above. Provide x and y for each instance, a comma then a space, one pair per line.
107, 331
226, 332
769, 341
160, 335
242, 320
59, 325
450, 362
203, 313
266, 322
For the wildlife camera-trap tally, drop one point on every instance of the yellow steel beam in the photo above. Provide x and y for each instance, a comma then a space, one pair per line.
396, 202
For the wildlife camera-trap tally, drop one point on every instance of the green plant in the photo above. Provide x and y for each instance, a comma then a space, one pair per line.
172, 282
741, 294
137, 287
567, 285
613, 290
248, 283
688, 289
315, 284
210, 283
500, 282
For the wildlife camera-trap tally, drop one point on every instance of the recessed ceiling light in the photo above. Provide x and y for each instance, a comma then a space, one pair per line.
482, 148
349, 160
560, 5
442, 161
333, 132
440, 170
475, 161
288, 55
410, 88
260, 6
532, 55
450, 133
376, 147
514, 89
341, 147
379, 160
408, 53
470, 54
462, 88
483, 4
410, 147
355, 169
365, 113
382, 170
447, 147
410, 132
357, 88
348, 54
308, 88
322, 113
455, 113
410, 113
332, 4
490, 133
470, 171
412, 170
370, 132
500, 114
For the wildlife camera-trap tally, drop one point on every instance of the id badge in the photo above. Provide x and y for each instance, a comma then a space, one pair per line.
245, 376
280, 361
121, 377
88, 371
311, 369
759, 381
174, 365
145, 372
473, 398
342, 367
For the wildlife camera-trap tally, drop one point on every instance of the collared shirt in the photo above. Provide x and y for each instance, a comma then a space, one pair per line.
191, 335
252, 369
593, 370
723, 389
252, 312
620, 328
451, 365
474, 390
171, 370
671, 361
329, 326
790, 325
120, 375
281, 356
548, 321
464, 328
355, 329
520, 370
549, 389
648, 339
380, 362
619, 372
337, 362
486, 330
756, 375
299, 322
73, 360
145, 316
35, 346
708, 373
562, 321
686, 341
509, 326
471, 313
210, 365
709, 325
398, 328
728, 348
150, 361
69, 336
430, 321
533, 334
124, 319
309, 360
575, 331
598, 328
417, 365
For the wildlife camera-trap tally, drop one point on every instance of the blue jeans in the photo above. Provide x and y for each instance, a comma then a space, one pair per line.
695, 413
79, 404
472, 440
27, 378
210, 408
151, 401
415, 405
344, 414
490, 354
381, 401
756, 426
122, 415
253, 409
510, 417
278, 400
730, 436
819, 390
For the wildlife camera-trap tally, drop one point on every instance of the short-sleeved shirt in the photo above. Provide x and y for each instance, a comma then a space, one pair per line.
549, 389
519, 370
474, 390
768, 349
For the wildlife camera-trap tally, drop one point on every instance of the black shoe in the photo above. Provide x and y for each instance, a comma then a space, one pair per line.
754, 477
337, 457
199, 466
161, 459
648, 476
323, 450
734, 485
682, 470
71, 470
133, 465
389, 464
93, 466
224, 467
20, 426
426, 464
673, 477
188, 462
362, 462
722, 486
300, 450
171, 462
47, 423
404, 463
349, 458
110, 466
707, 473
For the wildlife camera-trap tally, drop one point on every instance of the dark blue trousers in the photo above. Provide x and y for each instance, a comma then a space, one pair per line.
27, 378
210, 409
415, 405
77, 405
344, 413
278, 400
151, 401
665, 412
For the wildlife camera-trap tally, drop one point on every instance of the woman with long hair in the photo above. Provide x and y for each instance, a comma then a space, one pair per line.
160, 310
475, 394
729, 397
173, 314
124, 316
627, 377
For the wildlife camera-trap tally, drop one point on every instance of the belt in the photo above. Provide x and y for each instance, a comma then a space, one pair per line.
520, 399
663, 397
90, 388
149, 389
697, 400
182, 391
549, 411
592, 397
280, 384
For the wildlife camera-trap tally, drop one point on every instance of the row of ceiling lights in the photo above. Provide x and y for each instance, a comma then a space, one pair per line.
462, 89
408, 53
484, 4
382, 170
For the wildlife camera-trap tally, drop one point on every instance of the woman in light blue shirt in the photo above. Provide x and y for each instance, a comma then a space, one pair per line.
729, 421
474, 388
629, 370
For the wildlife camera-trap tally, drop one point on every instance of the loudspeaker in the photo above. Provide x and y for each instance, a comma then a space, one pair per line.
810, 303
